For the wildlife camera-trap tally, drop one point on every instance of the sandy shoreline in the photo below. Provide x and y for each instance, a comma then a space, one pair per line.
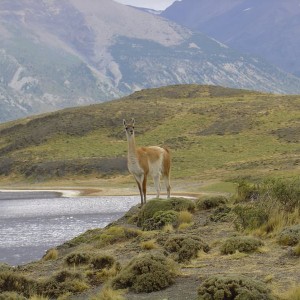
62, 193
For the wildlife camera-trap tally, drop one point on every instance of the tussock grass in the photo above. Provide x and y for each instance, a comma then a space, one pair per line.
185, 217
149, 245
292, 294
51, 254
267, 207
107, 293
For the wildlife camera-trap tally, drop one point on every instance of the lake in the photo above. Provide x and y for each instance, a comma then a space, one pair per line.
31, 223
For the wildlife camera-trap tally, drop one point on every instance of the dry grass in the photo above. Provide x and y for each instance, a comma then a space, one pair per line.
51, 254
107, 293
148, 245
183, 226
37, 297
185, 217
168, 228
292, 294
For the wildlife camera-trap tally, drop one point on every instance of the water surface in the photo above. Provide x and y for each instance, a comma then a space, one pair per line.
30, 223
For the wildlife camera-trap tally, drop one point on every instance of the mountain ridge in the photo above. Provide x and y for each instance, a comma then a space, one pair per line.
57, 54
268, 29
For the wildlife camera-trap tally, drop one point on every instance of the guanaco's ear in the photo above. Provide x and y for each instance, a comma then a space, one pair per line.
124, 122
132, 121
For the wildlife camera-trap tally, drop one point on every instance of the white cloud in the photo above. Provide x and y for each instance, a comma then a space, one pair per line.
154, 4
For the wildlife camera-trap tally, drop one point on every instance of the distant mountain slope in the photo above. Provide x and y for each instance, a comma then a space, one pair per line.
56, 54
267, 28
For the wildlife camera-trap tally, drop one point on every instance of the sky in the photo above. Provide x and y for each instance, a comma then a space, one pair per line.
154, 4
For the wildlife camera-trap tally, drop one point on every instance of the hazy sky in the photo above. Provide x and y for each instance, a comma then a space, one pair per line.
154, 4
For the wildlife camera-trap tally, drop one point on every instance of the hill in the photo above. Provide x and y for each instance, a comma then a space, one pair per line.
57, 54
213, 133
268, 28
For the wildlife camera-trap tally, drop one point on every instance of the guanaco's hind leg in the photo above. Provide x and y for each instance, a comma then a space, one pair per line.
145, 188
168, 186
156, 180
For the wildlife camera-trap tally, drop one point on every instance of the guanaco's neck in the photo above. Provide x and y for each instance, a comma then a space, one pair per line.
131, 147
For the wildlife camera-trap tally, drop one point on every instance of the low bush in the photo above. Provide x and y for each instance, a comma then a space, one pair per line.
247, 191
63, 282
233, 288
241, 244
249, 217
78, 258
102, 261
145, 273
11, 296
184, 247
210, 202
286, 192
290, 236
176, 204
12, 282
160, 219
220, 214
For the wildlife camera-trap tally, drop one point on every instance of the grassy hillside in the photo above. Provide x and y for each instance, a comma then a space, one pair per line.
245, 246
213, 132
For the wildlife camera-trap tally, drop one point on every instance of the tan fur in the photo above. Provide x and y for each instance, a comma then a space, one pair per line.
142, 161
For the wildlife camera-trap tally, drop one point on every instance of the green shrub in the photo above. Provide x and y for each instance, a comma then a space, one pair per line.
247, 191
286, 192
78, 258
11, 296
145, 273
102, 261
210, 202
12, 282
63, 282
116, 234
185, 247
290, 236
249, 216
233, 288
160, 219
220, 214
241, 244
157, 205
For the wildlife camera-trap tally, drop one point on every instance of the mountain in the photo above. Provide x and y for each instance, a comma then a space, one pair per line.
56, 54
266, 28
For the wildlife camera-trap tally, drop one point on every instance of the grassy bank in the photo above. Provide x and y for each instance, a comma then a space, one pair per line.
178, 249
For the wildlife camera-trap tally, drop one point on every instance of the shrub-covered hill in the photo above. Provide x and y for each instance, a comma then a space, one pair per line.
213, 132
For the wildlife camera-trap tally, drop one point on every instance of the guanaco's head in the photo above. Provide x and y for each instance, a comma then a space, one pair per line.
129, 127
